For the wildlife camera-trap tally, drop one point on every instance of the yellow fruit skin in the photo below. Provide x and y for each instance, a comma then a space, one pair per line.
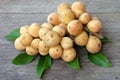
43, 31
31, 51
66, 43
60, 30
42, 53
81, 39
55, 52
24, 29
43, 49
34, 29
53, 18
18, 45
94, 44
26, 39
94, 25
51, 39
47, 25
64, 26
78, 8
85, 18
66, 16
69, 54
78, 13
35, 43
74, 27
61, 7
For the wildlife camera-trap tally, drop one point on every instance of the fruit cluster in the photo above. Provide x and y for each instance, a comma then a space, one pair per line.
70, 24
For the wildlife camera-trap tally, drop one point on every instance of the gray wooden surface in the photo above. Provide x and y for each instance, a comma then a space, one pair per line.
15, 13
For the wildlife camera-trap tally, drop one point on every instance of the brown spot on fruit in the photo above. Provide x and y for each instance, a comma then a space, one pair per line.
51, 19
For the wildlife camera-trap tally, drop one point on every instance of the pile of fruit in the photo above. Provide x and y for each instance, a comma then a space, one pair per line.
70, 25
64, 28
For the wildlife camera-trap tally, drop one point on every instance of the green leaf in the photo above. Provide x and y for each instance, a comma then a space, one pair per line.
13, 35
43, 64
74, 64
99, 59
22, 59
105, 40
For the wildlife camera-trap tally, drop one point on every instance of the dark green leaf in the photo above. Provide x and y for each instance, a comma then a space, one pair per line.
22, 59
99, 59
43, 64
105, 40
74, 64
13, 35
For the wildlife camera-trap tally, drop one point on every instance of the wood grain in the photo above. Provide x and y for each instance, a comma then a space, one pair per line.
15, 13
47, 6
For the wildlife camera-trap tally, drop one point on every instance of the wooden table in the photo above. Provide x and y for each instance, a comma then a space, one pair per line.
15, 13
